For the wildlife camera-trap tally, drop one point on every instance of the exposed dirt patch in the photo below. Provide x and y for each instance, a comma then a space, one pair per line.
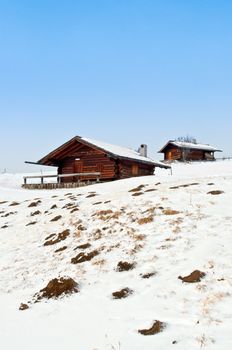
137, 237
8, 214
83, 246
216, 192
148, 275
170, 212
146, 220
125, 266
13, 204
157, 327
184, 186
34, 204
56, 287
103, 212
50, 236
23, 307
81, 227
56, 218
106, 215
137, 189
192, 184
60, 237
91, 195
68, 206
82, 257
74, 210
123, 293
60, 249
37, 212
97, 234
136, 194
194, 277
31, 223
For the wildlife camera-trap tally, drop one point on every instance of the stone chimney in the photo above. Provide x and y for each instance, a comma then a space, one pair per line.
143, 150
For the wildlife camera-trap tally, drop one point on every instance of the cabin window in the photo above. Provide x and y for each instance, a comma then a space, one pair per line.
135, 169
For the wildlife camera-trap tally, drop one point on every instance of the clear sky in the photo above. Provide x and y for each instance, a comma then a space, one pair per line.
122, 71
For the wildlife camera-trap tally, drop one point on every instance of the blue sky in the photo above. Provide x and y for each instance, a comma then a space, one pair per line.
121, 71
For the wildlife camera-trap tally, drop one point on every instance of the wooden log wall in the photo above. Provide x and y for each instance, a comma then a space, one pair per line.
125, 169
174, 153
91, 160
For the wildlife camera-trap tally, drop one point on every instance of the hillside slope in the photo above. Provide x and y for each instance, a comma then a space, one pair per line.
163, 226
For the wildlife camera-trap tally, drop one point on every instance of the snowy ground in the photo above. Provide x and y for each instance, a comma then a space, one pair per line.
196, 236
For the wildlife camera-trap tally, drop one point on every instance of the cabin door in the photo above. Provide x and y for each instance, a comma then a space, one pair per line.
78, 168
169, 155
135, 170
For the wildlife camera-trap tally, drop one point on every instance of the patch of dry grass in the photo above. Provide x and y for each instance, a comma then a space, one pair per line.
106, 215
136, 249
146, 220
170, 212
137, 189
100, 262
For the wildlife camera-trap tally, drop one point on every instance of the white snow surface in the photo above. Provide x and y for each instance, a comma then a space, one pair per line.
122, 151
191, 145
198, 236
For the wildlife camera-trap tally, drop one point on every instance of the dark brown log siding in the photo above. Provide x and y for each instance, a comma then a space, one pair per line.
125, 169
175, 153
91, 161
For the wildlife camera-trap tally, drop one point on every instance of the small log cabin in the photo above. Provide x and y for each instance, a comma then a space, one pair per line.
82, 155
187, 151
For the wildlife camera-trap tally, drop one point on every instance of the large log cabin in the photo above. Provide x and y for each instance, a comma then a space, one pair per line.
187, 151
85, 156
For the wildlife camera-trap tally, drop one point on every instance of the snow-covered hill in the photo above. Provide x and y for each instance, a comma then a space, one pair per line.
163, 226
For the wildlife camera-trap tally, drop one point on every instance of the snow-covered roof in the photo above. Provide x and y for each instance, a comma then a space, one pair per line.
190, 145
112, 150
123, 152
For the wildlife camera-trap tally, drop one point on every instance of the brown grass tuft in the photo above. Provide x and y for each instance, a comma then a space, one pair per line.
145, 220
82, 257
60, 237
83, 246
194, 277
37, 212
123, 293
136, 194
125, 266
13, 204
34, 204
56, 218
57, 287
148, 275
157, 327
216, 192
170, 212
137, 189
